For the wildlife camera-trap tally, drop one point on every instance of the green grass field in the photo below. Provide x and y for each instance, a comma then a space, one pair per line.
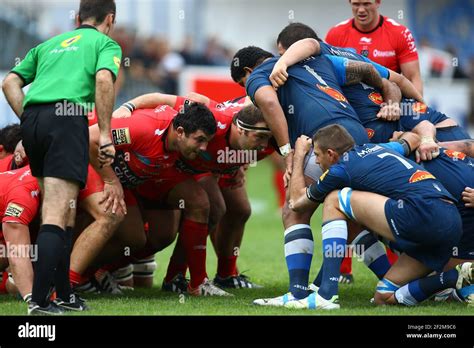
263, 260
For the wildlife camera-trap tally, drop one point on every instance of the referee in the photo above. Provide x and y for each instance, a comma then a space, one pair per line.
67, 74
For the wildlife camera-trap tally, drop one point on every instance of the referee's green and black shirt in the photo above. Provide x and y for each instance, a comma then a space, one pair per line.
64, 67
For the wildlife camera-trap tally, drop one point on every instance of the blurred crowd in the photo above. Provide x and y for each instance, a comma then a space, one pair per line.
152, 64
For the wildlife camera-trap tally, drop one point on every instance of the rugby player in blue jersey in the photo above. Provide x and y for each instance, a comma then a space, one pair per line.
375, 186
310, 100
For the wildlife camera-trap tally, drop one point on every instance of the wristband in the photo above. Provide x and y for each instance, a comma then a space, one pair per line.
285, 150
129, 106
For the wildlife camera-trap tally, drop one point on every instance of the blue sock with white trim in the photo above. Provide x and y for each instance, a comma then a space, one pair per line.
299, 247
421, 289
373, 253
334, 235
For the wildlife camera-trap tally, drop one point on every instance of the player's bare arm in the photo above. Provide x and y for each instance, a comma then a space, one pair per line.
146, 101
113, 192
267, 101
12, 88
105, 96
297, 52
412, 72
390, 111
466, 146
408, 89
299, 202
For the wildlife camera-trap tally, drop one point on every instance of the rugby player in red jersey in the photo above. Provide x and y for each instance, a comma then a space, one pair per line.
19, 203
148, 143
241, 134
379, 38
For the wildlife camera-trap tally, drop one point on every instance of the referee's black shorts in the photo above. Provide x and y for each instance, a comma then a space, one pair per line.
56, 141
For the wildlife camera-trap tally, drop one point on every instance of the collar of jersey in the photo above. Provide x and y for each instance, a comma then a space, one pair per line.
86, 26
368, 32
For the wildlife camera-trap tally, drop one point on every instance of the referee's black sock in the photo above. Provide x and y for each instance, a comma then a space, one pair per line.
50, 242
61, 276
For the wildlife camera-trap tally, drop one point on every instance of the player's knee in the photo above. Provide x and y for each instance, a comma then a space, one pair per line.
216, 213
163, 241
240, 212
196, 204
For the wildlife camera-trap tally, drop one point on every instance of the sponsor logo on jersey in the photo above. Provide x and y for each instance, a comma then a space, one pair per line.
370, 132
321, 178
14, 210
121, 136
333, 93
117, 61
221, 125
420, 175
382, 54
365, 40
70, 41
365, 53
376, 98
159, 132
456, 155
369, 150
419, 108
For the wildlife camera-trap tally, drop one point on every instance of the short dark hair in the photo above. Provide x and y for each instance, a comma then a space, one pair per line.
247, 57
196, 117
334, 137
10, 136
250, 115
295, 32
96, 9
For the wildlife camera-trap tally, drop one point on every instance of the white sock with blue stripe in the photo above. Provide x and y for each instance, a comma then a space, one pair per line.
334, 235
299, 247
373, 253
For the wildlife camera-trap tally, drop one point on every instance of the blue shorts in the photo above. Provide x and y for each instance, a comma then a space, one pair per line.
465, 248
355, 129
451, 133
426, 229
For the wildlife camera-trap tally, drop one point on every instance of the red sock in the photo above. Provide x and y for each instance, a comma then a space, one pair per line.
76, 278
392, 257
3, 283
346, 265
193, 235
279, 186
175, 268
227, 266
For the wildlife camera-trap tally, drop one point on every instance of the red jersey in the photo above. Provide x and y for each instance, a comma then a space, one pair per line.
140, 143
7, 163
19, 196
389, 44
219, 157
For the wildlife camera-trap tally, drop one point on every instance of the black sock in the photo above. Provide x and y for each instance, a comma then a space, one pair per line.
50, 244
61, 276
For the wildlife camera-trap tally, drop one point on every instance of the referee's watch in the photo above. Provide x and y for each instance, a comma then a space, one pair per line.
285, 150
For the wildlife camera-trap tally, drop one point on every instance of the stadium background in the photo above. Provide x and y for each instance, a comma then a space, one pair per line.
176, 46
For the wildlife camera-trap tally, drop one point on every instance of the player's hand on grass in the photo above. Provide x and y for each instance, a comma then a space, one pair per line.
122, 112
390, 112
468, 197
113, 197
279, 74
428, 150
106, 151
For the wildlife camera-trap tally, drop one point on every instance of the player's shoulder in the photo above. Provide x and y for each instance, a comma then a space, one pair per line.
342, 25
392, 25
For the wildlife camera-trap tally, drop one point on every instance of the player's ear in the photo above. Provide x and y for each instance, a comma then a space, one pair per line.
78, 21
180, 132
1, 148
248, 70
